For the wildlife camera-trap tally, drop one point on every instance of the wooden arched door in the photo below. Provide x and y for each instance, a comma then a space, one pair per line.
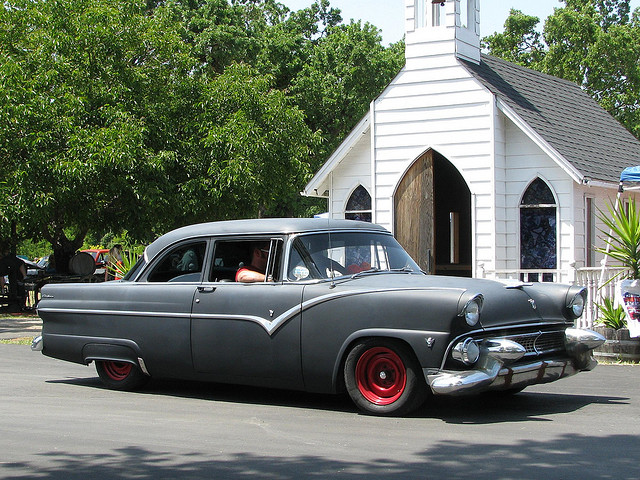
414, 205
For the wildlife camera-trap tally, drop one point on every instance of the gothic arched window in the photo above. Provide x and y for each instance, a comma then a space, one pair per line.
359, 205
538, 229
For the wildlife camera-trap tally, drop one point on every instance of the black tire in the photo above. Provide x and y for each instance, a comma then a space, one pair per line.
120, 375
383, 378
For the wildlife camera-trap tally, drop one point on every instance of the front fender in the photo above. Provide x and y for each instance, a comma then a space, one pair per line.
428, 346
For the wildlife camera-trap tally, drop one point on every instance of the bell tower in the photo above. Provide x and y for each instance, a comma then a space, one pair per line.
437, 27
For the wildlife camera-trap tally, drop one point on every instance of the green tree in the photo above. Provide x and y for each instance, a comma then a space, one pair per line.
595, 44
252, 153
142, 115
217, 30
345, 71
287, 45
80, 79
520, 42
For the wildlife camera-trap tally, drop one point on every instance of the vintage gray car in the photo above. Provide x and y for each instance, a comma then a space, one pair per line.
342, 308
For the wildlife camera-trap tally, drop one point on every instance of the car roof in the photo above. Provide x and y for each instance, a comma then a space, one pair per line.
262, 226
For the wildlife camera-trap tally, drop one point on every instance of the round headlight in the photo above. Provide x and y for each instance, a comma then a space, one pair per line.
576, 306
471, 311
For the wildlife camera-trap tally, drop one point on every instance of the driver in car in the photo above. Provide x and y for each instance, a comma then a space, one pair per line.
255, 272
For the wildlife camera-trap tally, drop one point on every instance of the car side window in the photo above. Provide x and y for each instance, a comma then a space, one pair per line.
181, 264
231, 255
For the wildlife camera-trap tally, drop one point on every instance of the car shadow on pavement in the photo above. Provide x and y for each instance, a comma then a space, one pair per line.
219, 392
524, 406
477, 409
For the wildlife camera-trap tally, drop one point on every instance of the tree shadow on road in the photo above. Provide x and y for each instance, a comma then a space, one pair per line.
566, 457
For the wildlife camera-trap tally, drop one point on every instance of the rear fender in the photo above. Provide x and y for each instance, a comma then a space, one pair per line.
108, 351
85, 349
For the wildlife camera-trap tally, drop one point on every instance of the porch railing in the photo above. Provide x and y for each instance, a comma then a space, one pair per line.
600, 284
523, 275
590, 277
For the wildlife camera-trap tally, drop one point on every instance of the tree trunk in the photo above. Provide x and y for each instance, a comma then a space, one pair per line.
63, 250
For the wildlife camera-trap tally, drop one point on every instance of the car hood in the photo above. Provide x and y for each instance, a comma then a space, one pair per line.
505, 302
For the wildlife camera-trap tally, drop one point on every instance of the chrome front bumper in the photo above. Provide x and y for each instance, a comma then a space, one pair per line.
494, 369
36, 344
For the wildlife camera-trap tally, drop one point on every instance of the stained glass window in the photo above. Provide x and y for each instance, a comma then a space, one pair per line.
538, 193
538, 238
359, 205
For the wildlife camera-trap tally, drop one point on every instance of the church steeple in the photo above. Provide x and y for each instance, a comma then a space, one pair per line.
443, 26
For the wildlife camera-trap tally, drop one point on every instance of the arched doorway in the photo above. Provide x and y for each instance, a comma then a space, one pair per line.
432, 216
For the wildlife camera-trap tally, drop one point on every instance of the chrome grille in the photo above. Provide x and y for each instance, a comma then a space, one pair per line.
539, 343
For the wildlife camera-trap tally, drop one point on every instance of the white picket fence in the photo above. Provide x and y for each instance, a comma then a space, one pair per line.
600, 284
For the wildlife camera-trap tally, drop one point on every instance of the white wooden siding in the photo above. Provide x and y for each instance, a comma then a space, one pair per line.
502, 248
435, 103
348, 174
525, 161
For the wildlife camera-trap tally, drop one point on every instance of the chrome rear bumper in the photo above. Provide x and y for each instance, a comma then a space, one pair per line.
494, 369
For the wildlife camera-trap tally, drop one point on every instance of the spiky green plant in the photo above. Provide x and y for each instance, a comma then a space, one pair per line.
612, 316
129, 255
622, 236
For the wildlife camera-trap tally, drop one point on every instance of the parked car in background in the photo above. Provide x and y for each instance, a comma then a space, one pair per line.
101, 257
342, 308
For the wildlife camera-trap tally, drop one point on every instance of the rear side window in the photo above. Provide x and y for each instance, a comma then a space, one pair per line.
181, 264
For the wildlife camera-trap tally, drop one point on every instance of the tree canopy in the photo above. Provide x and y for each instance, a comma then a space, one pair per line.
146, 115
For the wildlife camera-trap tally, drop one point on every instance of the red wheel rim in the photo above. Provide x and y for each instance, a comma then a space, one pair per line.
381, 375
117, 370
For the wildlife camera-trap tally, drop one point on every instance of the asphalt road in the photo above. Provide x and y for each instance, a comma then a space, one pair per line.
57, 422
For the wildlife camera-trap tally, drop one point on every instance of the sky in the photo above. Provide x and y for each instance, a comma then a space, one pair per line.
388, 15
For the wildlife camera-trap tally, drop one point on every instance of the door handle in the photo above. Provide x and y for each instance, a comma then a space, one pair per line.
206, 289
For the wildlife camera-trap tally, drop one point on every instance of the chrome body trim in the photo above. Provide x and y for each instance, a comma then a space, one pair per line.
494, 371
36, 344
143, 366
270, 325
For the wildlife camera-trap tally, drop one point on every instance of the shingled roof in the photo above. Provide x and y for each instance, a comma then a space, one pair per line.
566, 117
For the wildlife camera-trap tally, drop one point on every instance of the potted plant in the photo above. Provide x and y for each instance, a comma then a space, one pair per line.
621, 318
612, 325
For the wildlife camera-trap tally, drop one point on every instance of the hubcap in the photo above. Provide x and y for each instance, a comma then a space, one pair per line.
117, 371
381, 375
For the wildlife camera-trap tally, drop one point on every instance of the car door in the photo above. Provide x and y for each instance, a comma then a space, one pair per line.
247, 332
159, 308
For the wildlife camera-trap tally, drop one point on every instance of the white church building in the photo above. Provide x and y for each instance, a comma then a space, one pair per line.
478, 166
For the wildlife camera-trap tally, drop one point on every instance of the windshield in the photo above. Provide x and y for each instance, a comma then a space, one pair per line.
323, 255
